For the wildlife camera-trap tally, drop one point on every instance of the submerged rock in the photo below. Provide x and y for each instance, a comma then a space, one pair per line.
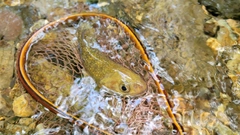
16, 91
16, 129
223, 8
14, 2
45, 74
10, 25
227, 33
4, 106
29, 15
222, 129
24, 106
38, 24
26, 121
225, 45
6, 63
211, 28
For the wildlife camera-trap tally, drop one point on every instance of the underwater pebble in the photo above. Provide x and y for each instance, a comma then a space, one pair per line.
226, 32
25, 121
29, 14
16, 91
222, 129
5, 107
213, 44
210, 28
226, 37
24, 106
16, 129
40, 129
38, 24
236, 90
234, 68
3, 103
14, 2
220, 114
223, 8
1, 125
51, 76
234, 64
10, 25
46, 6
6, 63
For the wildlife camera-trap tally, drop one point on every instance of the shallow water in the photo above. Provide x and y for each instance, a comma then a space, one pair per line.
195, 76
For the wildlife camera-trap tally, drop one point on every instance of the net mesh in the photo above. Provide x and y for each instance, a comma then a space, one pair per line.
55, 68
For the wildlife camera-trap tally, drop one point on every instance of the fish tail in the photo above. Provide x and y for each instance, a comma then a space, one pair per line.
85, 33
82, 40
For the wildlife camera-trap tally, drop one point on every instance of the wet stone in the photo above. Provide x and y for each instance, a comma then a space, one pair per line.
40, 127
24, 106
10, 25
51, 77
38, 24
220, 114
26, 121
3, 103
223, 8
16, 129
226, 35
92, 1
213, 44
6, 63
4, 106
13, 2
16, 91
29, 15
210, 28
1, 124
222, 129
45, 8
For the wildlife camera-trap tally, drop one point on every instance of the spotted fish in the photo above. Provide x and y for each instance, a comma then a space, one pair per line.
105, 71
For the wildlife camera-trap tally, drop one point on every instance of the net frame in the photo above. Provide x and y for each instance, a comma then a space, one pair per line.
32, 90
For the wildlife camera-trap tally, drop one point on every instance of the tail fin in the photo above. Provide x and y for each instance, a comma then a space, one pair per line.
85, 34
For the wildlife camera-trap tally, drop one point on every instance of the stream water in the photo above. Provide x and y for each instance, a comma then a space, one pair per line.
198, 70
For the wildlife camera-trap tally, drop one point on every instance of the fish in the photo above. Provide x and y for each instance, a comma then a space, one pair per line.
107, 73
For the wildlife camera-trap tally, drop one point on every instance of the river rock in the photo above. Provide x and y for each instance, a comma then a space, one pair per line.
24, 106
29, 14
26, 121
16, 129
10, 25
40, 129
5, 107
14, 2
223, 8
16, 91
222, 129
6, 63
3, 103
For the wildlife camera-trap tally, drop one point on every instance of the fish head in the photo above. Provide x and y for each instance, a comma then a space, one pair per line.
126, 83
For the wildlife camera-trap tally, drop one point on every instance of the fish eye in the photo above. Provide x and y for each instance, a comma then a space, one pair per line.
124, 88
